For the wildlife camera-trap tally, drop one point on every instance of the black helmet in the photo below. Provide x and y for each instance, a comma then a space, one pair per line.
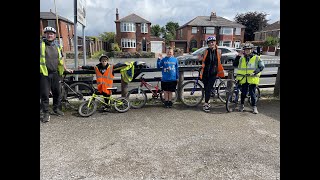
103, 56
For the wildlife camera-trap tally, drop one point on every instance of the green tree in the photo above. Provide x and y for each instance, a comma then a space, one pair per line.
271, 41
169, 31
156, 30
254, 21
108, 37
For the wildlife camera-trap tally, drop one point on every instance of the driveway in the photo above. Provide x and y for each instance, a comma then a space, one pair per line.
158, 143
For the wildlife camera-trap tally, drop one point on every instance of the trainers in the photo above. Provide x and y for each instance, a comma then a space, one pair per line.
166, 104
255, 110
241, 108
206, 108
170, 104
46, 117
58, 112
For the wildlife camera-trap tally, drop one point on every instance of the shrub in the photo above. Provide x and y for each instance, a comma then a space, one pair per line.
194, 49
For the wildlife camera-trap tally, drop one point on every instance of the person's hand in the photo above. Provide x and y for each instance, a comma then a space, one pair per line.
69, 70
252, 74
79, 67
240, 53
160, 56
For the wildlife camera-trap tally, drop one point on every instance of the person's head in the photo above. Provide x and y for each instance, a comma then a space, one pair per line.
169, 51
49, 33
211, 41
247, 48
104, 59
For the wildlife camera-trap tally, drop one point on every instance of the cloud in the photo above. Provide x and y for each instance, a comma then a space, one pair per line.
101, 13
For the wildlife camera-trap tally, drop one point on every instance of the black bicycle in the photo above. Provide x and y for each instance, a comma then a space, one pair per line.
234, 94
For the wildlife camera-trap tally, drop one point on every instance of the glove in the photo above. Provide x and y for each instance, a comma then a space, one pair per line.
252, 74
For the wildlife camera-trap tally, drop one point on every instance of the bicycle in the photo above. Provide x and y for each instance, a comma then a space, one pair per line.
192, 92
138, 96
234, 92
72, 93
90, 106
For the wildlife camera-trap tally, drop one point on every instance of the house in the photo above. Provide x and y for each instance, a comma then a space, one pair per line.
194, 33
133, 33
272, 30
66, 28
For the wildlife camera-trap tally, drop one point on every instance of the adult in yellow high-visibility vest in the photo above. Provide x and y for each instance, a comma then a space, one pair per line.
51, 68
248, 63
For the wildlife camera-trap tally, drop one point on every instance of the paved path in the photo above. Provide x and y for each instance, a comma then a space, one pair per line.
158, 143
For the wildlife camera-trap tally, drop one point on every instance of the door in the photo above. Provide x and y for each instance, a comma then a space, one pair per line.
144, 45
156, 46
237, 44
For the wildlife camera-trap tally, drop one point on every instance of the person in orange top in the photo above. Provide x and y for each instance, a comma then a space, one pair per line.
211, 68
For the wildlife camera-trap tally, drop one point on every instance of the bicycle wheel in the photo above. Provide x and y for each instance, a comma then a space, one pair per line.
257, 94
174, 96
191, 93
137, 98
232, 100
87, 108
224, 87
121, 104
75, 94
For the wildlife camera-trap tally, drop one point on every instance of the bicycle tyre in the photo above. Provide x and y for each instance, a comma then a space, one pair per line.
232, 100
258, 95
191, 98
86, 110
174, 96
121, 104
137, 99
222, 89
76, 94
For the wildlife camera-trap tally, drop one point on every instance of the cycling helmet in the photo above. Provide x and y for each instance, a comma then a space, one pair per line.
211, 38
247, 46
103, 56
49, 29
138, 63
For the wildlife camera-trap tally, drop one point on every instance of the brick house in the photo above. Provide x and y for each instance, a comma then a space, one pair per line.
272, 30
194, 33
66, 28
133, 33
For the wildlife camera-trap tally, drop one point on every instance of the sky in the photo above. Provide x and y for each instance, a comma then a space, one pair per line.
101, 14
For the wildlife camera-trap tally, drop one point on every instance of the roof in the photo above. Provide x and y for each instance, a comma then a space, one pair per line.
273, 26
52, 16
133, 18
217, 21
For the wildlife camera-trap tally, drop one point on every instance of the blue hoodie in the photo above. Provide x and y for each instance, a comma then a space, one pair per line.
170, 69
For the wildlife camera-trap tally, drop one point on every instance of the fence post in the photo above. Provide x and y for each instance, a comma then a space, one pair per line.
180, 82
124, 88
276, 91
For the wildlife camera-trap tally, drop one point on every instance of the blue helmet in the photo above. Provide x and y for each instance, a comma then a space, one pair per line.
211, 38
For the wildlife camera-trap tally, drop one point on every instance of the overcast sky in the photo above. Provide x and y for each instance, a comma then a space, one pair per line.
100, 14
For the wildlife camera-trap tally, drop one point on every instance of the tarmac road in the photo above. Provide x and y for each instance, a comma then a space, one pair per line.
159, 143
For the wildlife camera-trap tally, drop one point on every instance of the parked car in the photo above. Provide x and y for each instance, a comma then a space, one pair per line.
228, 55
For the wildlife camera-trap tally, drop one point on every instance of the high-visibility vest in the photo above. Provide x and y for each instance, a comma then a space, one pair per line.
104, 80
248, 68
220, 67
127, 73
43, 67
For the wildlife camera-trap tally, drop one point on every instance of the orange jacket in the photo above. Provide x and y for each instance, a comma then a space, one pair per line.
104, 80
220, 67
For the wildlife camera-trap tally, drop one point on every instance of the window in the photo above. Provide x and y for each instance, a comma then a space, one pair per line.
208, 30
226, 31
52, 23
225, 43
128, 43
180, 33
144, 28
128, 27
238, 31
194, 30
223, 50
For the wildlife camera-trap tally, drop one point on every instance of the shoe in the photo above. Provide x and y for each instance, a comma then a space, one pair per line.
209, 105
241, 107
46, 117
255, 110
206, 108
166, 104
170, 104
58, 112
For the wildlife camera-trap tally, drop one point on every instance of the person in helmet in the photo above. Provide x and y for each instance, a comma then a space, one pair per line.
104, 74
211, 68
248, 63
52, 67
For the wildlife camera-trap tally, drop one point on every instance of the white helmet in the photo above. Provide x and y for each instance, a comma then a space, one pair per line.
49, 29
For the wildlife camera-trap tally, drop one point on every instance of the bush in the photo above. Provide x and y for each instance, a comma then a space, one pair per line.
97, 54
194, 49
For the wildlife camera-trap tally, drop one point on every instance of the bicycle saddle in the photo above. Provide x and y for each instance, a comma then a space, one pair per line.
113, 89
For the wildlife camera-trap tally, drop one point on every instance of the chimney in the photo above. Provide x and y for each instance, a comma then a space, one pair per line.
117, 14
213, 15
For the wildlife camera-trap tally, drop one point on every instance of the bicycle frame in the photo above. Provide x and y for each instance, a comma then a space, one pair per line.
101, 98
149, 86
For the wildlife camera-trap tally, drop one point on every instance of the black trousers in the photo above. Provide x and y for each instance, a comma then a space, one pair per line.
47, 83
244, 91
208, 85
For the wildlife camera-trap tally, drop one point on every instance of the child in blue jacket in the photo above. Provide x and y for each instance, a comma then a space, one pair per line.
170, 75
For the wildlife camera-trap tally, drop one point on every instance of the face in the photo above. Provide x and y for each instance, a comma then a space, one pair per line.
169, 52
211, 44
104, 61
247, 51
50, 36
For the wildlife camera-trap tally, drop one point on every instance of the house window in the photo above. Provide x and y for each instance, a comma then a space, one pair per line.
194, 30
225, 43
238, 31
128, 43
128, 27
52, 23
208, 30
180, 33
144, 28
226, 31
